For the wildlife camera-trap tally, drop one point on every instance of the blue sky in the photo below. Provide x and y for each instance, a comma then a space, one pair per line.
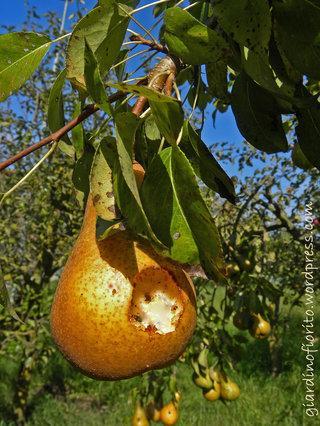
13, 12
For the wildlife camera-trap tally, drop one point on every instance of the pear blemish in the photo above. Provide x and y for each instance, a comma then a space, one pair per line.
156, 303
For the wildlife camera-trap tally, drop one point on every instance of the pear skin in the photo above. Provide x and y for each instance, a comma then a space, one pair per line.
120, 309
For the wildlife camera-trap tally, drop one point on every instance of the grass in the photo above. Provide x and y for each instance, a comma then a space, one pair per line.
264, 400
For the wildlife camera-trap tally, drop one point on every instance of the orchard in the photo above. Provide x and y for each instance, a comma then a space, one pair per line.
151, 272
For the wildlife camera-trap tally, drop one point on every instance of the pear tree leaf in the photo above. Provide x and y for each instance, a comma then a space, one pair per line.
151, 129
124, 182
204, 231
257, 116
217, 79
20, 55
104, 28
299, 159
126, 127
259, 69
169, 119
205, 165
248, 22
78, 135
120, 69
56, 113
148, 140
192, 41
164, 211
302, 48
81, 174
105, 228
308, 133
178, 213
93, 80
150, 94
101, 187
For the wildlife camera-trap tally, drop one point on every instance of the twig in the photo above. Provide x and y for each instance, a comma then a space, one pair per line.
30, 172
153, 45
137, 22
56, 136
129, 57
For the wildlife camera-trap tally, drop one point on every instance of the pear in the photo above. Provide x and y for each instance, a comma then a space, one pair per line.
169, 414
139, 417
229, 390
121, 309
260, 328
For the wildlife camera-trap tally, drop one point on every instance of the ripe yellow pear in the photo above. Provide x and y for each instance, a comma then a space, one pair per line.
120, 309
229, 390
260, 328
139, 417
169, 414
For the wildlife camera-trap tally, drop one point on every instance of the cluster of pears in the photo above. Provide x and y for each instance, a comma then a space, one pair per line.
215, 384
168, 414
120, 308
242, 264
258, 327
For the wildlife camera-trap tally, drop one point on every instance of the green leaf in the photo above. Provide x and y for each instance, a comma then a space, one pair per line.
164, 211
308, 133
81, 173
259, 69
217, 79
20, 55
198, 216
205, 165
93, 81
56, 113
248, 22
302, 48
192, 41
78, 136
104, 29
150, 94
124, 182
106, 228
299, 159
148, 141
126, 126
169, 119
101, 187
178, 211
257, 116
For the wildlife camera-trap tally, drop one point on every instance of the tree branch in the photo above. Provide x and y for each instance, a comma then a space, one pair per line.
56, 136
153, 45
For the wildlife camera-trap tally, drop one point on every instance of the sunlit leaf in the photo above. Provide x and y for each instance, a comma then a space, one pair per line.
56, 113
101, 187
104, 28
248, 22
20, 55
192, 41
93, 80
164, 211
149, 93
169, 119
